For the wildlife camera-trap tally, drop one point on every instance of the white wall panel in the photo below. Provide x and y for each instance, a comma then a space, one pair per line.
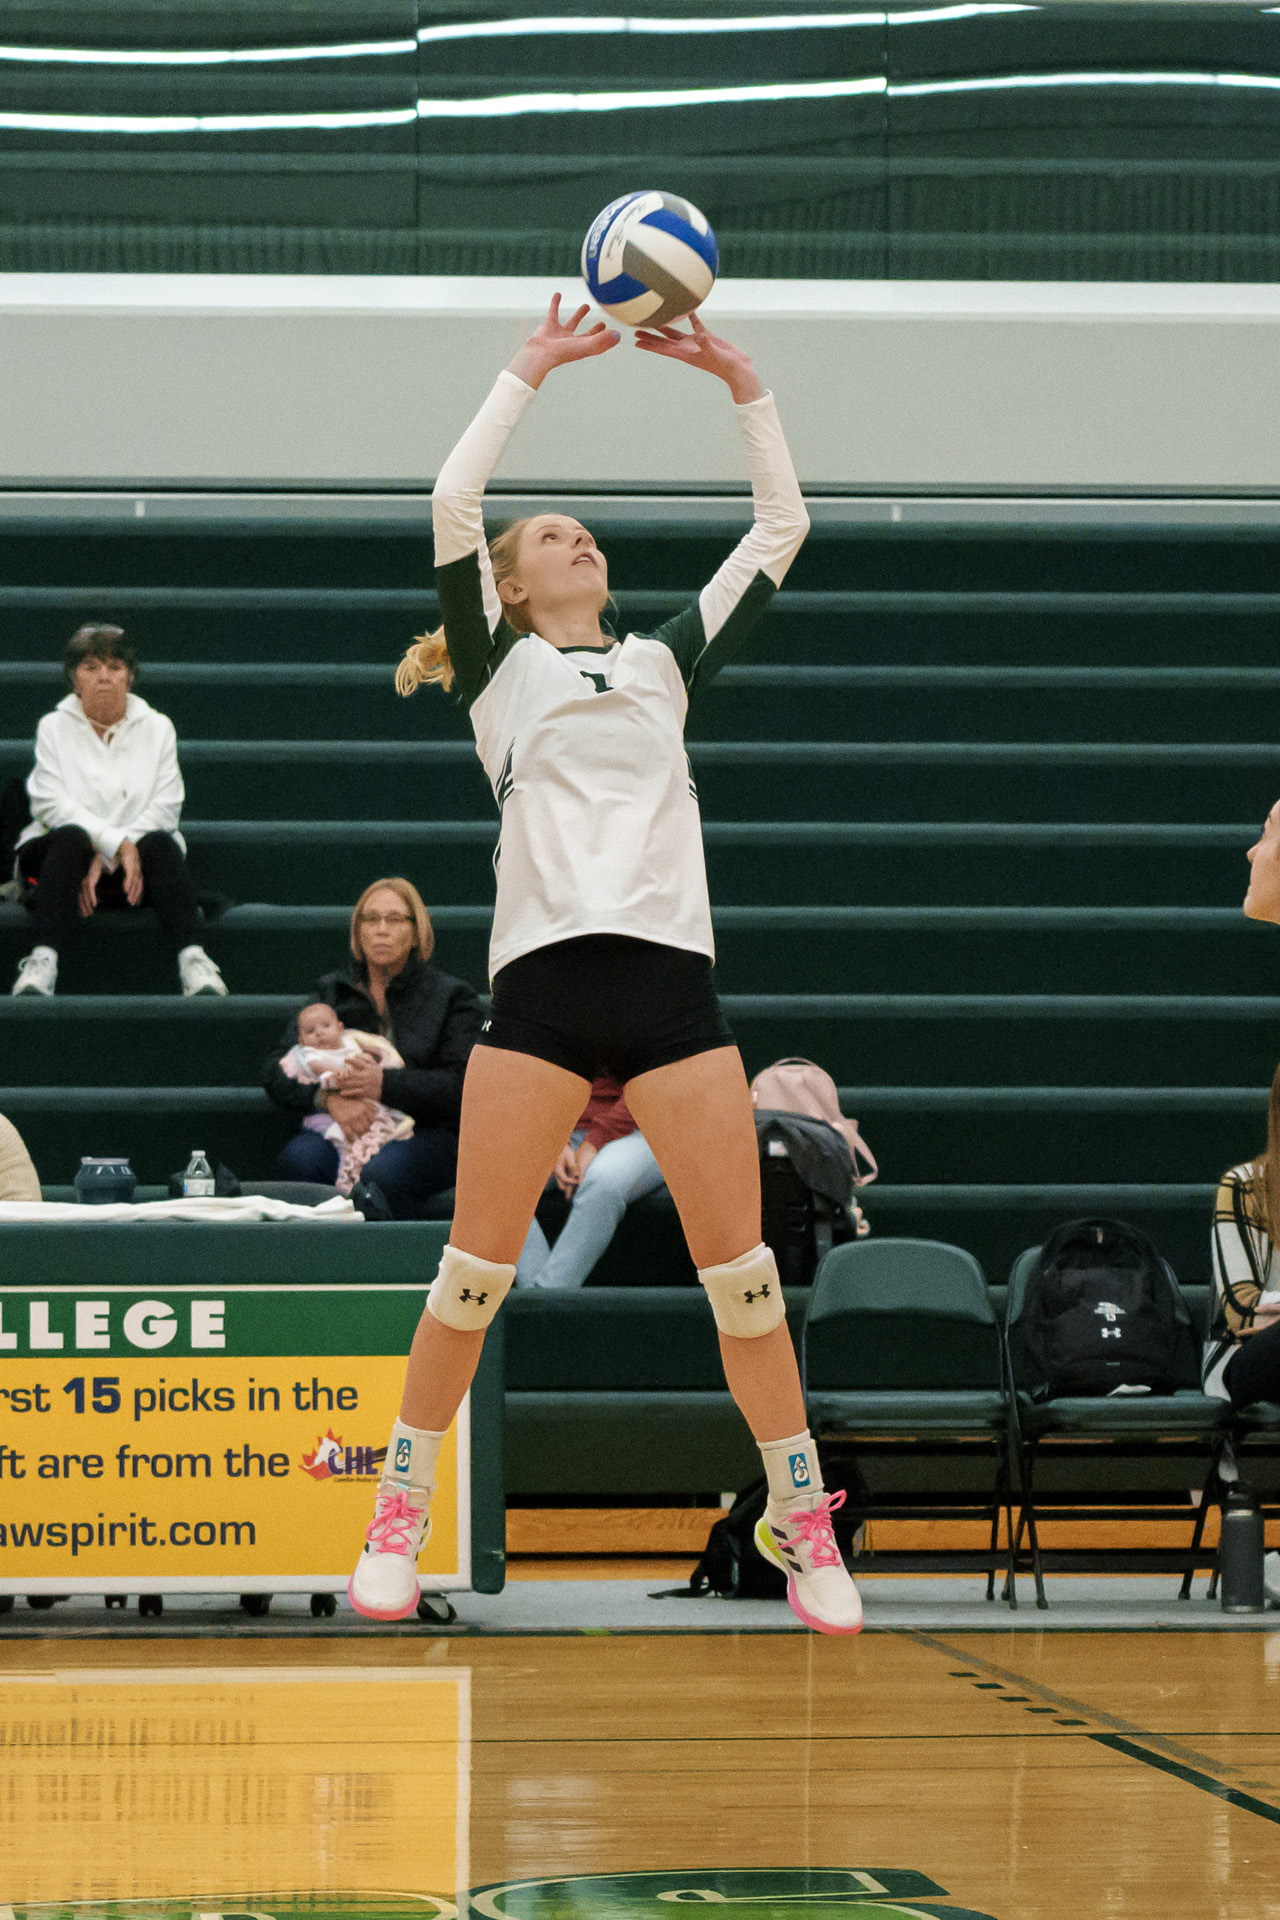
314, 381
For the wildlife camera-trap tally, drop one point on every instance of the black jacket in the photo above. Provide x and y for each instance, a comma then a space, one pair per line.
435, 1020
819, 1154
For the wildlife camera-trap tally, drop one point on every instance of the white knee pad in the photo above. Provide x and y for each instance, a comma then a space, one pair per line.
467, 1292
746, 1294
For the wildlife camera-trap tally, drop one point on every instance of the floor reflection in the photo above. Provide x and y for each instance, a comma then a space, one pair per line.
380, 1777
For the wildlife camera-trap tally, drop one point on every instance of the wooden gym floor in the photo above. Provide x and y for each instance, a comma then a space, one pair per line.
1048, 1777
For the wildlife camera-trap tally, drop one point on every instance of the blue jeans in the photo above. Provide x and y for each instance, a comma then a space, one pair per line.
621, 1172
408, 1171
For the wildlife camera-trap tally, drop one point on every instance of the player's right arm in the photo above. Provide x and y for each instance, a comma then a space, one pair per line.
717, 626
470, 609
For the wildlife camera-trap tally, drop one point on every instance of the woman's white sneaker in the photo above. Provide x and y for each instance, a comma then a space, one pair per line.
384, 1585
38, 972
802, 1545
198, 973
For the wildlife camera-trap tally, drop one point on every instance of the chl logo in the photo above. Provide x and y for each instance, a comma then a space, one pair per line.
1110, 1313
332, 1459
799, 1470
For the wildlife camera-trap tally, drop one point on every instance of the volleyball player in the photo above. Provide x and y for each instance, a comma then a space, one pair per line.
602, 951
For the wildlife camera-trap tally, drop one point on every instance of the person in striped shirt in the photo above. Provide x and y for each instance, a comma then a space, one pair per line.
1242, 1351
602, 952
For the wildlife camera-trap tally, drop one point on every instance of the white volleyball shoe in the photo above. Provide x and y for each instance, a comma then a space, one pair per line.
801, 1543
384, 1585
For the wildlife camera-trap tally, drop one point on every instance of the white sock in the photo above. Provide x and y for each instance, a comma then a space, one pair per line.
795, 1478
412, 1453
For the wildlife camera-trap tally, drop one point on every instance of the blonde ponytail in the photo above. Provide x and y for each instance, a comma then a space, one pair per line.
426, 663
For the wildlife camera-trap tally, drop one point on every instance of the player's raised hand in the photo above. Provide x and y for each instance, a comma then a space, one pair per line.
557, 341
708, 352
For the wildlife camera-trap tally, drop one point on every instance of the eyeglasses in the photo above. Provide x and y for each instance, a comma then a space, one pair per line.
386, 919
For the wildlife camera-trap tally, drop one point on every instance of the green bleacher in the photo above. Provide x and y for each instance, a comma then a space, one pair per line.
975, 814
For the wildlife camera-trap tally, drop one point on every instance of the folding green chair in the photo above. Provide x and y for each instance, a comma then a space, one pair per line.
902, 1355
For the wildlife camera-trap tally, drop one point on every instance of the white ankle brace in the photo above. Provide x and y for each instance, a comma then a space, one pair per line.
467, 1292
746, 1294
792, 1469
412, 1453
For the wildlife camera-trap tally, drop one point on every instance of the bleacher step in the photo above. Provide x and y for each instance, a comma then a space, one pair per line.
875, 1039
1020, 782
856, 700
921, 949
997, 1222
920, 1134
800, 862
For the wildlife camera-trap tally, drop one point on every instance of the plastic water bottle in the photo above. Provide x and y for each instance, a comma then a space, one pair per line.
1241, 1552
197, 1181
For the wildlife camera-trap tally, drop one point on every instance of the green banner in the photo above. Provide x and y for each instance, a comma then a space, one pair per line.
185, 1322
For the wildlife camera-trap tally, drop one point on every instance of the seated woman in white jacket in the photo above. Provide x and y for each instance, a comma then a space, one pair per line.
106, 795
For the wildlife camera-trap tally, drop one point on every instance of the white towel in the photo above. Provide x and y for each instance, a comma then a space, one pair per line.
248, 1206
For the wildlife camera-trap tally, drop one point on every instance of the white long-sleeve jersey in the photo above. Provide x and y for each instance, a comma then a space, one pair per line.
117, 788
584, 749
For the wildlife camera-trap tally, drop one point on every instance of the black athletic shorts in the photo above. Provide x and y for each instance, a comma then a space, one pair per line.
607, 1005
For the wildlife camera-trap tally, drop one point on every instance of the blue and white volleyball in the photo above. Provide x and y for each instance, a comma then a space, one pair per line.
649, 258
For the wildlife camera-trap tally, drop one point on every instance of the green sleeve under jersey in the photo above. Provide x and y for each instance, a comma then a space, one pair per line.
699, 658
476, 652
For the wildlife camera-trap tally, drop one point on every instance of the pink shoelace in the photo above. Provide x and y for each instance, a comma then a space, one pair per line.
391, 1528
813, 1526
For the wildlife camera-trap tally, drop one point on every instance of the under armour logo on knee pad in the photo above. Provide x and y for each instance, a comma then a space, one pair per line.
467, 1291
745, 1294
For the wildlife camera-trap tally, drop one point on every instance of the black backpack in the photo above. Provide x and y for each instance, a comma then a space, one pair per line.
798, 1225
806, 1190
733, 1566
1102, 1309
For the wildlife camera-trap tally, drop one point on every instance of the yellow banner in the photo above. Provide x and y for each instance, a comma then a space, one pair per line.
202, 1472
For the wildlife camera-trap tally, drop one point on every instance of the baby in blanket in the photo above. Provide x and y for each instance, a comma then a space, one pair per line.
324, 1048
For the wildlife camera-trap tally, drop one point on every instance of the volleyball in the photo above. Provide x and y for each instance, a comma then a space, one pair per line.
649, 258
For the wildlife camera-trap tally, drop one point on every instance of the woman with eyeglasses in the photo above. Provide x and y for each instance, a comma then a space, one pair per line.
391, 988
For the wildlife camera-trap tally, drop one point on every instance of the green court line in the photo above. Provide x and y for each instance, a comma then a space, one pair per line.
1156, 1750
1189, 1775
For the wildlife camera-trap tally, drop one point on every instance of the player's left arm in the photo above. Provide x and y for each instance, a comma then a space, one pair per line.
714, 630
